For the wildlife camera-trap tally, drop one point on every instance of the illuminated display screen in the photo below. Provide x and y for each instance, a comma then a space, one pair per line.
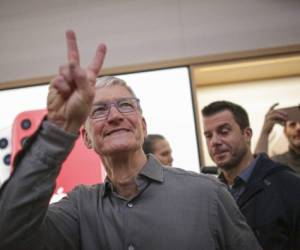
166, 100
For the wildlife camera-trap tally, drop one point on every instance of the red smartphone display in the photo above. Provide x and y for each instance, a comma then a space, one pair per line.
82, 166
5, 153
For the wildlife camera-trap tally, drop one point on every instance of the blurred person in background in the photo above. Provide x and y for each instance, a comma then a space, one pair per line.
157, 145
291, 130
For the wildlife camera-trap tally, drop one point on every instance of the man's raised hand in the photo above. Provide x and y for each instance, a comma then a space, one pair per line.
71, 93
272, 117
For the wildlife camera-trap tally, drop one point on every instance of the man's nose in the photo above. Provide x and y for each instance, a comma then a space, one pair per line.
114, 113
215, 140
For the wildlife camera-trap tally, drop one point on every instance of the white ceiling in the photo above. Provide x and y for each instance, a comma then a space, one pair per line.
137, 32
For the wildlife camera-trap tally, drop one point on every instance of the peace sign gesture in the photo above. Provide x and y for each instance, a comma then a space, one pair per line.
71, 93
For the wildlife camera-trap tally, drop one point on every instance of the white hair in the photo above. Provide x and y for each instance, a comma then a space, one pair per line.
107, 81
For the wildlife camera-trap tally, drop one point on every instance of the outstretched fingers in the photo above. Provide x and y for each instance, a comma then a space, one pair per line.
72, 48
97, 62
82, 80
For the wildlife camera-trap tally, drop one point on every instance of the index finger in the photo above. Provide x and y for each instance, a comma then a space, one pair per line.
273, 106
72, 49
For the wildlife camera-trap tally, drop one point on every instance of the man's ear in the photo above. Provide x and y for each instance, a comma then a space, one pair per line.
248, 134
86, 138
144, 124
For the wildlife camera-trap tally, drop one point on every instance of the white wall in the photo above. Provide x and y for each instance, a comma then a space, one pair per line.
32, 31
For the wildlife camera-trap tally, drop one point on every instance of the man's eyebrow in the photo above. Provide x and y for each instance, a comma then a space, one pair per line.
99, 102
224, 125
221, 126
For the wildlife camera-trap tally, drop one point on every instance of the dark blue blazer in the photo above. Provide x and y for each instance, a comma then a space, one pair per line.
271, 205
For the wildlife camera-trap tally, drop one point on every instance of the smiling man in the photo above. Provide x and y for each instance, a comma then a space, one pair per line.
141, 205
267, 193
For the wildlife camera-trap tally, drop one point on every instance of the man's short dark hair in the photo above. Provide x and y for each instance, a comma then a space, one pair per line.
149, 141
239, 113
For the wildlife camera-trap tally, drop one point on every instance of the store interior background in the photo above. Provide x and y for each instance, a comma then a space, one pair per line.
256, 43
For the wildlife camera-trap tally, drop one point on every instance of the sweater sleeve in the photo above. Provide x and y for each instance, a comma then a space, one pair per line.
25, 197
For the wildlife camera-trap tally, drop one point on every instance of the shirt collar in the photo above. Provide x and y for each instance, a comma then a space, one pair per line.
152, 170
246, 173
107, 187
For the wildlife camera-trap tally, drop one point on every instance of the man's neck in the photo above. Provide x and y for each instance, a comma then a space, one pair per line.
235, 171
122, 170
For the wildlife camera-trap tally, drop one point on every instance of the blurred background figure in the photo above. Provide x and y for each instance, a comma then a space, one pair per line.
157, 145
292, 133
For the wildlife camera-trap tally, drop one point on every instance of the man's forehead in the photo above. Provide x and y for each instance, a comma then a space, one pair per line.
111, 93
218, 118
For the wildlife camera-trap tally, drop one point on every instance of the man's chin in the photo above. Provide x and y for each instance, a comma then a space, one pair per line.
220, 160
224, 165
117, 149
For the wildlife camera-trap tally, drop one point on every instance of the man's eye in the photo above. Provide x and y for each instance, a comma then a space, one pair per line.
291, 124
224, 131
207, 136
99, 110
125, 104
165, 154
